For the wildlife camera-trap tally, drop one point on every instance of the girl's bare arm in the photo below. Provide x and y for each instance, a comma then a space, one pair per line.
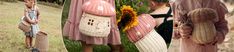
38, 13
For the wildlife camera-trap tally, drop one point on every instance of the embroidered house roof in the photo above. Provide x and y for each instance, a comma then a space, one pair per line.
99, 7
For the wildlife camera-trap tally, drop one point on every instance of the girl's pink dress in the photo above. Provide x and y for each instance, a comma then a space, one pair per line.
71, 27
181, 7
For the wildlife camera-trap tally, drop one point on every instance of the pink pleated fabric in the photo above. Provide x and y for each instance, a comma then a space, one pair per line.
71, 28
145, 25
99, 8
181, 7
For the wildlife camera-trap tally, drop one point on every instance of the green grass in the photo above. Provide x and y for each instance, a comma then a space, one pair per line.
75, 46
232, 12
12, 39
50, 4
128, 46
9, 0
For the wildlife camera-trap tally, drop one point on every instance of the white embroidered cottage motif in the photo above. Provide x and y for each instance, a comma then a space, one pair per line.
95, 25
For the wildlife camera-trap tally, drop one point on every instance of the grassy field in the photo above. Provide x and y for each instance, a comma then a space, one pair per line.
12, 39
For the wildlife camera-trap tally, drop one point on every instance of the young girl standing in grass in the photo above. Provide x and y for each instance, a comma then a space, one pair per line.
31, 15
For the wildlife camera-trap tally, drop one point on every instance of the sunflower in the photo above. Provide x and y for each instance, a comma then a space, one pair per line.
128, 18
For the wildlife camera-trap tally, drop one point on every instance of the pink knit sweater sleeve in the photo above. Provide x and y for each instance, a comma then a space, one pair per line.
221, 25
